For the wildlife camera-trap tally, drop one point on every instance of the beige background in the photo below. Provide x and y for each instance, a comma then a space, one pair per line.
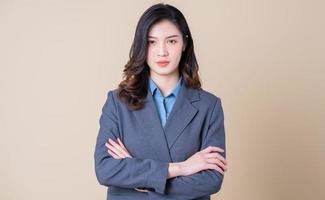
264, 59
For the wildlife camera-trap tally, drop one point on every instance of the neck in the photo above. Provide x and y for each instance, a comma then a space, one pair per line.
166, 84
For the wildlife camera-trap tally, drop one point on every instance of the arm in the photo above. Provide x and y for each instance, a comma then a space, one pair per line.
205, 182
127, 172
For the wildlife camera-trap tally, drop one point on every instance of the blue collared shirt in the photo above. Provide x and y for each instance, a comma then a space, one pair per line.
164, 105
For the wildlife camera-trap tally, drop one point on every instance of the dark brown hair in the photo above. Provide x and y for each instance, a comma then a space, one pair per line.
133, 89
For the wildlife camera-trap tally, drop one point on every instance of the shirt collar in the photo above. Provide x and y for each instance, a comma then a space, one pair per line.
153, 87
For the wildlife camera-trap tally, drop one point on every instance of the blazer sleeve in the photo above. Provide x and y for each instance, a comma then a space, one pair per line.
127, 172
205, 182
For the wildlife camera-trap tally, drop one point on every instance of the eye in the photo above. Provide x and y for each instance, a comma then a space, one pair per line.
151, 42
172, 41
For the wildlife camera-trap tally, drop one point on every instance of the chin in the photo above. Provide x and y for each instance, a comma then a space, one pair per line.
163, 72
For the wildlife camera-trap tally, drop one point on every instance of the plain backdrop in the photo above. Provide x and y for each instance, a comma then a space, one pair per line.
264, 59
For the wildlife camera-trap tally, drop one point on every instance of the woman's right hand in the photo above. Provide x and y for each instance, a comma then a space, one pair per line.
208, 158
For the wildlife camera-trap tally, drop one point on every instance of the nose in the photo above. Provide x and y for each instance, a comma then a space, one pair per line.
162, 51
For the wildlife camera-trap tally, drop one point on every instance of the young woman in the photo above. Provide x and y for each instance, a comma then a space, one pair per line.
161, 135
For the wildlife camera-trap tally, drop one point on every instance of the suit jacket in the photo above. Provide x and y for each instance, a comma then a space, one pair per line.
195, 122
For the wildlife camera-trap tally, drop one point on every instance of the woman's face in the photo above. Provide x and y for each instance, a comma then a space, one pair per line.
165, 46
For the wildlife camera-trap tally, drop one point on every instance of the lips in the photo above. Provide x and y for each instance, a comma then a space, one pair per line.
163, 63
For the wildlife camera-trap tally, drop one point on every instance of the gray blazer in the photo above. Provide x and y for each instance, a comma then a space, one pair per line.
195, 122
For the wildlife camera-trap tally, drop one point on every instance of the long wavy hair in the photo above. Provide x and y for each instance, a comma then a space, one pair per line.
133, 89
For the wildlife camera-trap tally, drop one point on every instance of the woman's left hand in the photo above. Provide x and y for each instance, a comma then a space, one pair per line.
117, 149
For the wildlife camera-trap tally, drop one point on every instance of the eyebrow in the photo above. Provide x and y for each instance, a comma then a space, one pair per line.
171, 36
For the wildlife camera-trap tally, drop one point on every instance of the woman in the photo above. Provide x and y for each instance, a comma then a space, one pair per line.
161, 136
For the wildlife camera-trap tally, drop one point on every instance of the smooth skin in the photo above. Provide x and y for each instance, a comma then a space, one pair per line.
165, 42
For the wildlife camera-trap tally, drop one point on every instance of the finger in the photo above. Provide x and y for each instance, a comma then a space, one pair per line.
113, 154
115, 144
120, 142
122, 145
109, 147
218, 162
141, 190
118, 147
215, 167
216, 155
116, 151
212, 148
110, 152
125, 150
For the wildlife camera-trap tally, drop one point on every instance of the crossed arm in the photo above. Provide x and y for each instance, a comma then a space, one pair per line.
115, 166
201, 160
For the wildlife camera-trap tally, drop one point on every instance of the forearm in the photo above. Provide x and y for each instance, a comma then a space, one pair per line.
174, 170
132, 173
180, 185
197, 185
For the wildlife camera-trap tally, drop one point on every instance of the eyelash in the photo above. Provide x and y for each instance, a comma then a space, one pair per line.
152, 41
174, 41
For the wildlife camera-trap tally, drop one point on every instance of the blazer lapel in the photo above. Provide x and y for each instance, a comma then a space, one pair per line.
148, 118
161, 139
181, 115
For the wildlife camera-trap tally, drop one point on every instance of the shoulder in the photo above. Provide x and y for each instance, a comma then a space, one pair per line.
204, 100
111, 99
114, 100
112, 93
211, 104
208, 98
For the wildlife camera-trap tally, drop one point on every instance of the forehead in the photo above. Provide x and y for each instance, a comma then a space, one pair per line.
163, 29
